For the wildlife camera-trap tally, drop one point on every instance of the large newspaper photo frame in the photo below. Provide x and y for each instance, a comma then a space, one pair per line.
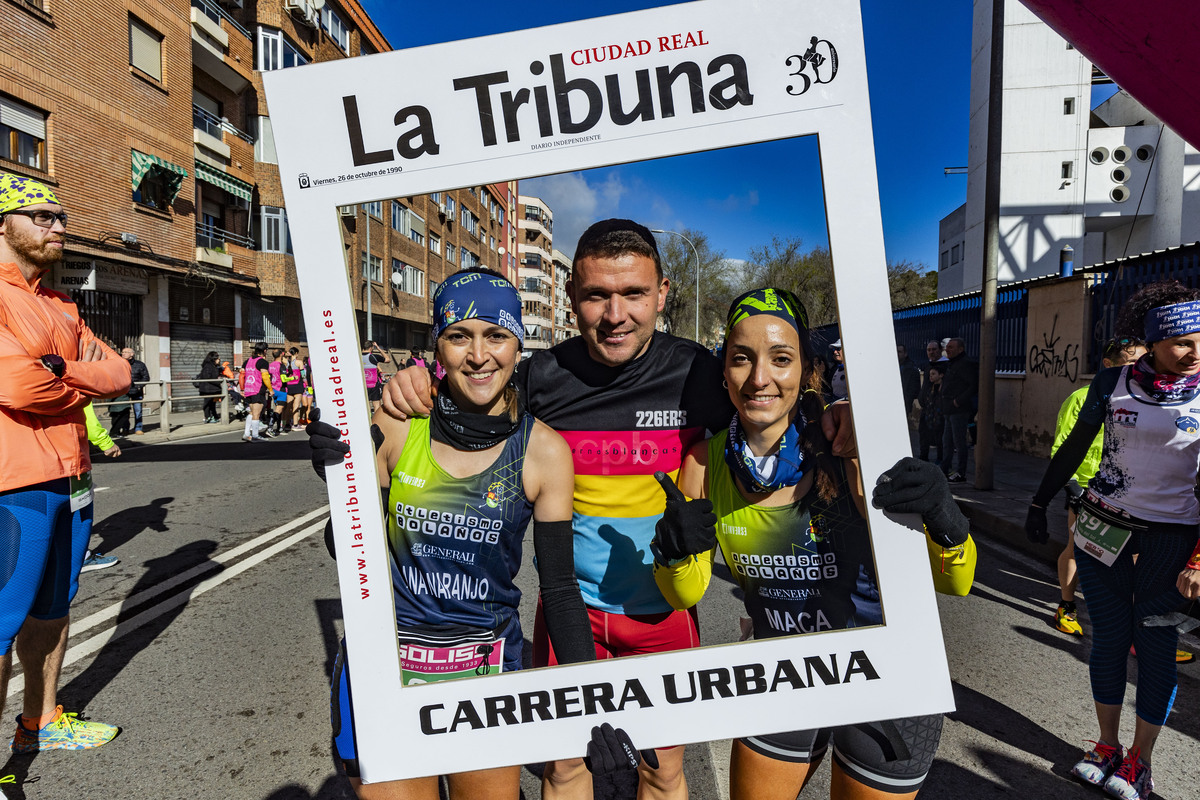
518, 105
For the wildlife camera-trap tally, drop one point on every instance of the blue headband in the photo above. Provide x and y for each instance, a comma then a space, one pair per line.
1179, 319
477, 295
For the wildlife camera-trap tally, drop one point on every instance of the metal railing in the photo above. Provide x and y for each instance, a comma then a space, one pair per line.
216, 14
214, 238
163, 400
214, 126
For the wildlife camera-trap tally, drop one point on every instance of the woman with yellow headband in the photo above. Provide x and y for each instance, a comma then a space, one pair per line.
773, 480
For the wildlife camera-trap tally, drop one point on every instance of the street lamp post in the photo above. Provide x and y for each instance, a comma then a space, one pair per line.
694, 252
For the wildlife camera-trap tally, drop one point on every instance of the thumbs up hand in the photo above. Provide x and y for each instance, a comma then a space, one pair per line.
687, 526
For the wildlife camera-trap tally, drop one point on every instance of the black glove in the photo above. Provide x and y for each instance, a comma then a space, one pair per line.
611, 751
1035, 525
687, 526
325, 441
918, 486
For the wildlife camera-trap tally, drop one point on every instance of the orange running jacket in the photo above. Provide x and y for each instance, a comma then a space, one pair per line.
42, 431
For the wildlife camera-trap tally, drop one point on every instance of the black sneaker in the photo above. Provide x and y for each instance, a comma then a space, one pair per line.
956, 477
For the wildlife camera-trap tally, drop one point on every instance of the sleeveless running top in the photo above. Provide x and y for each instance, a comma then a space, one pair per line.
370, 371
275, 369
1151, 449
802, 569
455, 543
298, 372
254, 382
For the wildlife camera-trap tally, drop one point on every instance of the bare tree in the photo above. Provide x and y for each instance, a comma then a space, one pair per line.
786, 264
910, 283
679, 266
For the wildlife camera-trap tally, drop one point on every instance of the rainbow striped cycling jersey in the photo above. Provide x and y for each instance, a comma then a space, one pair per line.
623, 424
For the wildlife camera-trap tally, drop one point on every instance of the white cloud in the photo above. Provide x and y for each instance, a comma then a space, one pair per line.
576, 203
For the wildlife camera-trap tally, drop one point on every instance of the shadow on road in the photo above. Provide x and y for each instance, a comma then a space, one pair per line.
294, 447
118, 529
116, 654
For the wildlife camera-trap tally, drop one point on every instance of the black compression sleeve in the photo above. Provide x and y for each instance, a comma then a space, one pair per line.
1066, 461
562, 604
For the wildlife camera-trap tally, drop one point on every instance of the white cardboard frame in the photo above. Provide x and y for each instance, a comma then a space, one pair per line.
400, 731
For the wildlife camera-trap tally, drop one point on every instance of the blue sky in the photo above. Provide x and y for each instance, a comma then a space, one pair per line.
918, 65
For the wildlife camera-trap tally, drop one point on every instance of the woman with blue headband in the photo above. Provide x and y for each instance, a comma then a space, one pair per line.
1136, 534
460, 488
770, 492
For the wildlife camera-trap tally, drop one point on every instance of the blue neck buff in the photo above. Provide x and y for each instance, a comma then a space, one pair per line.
789, 469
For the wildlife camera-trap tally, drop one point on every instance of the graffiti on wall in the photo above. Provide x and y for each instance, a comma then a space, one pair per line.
1053, 358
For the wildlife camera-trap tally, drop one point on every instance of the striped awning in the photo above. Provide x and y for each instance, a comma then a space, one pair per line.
144, 162
224, 180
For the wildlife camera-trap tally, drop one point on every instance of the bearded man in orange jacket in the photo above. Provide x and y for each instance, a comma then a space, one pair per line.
53, 365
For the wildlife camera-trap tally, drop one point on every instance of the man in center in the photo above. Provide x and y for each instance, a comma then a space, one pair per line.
629, 400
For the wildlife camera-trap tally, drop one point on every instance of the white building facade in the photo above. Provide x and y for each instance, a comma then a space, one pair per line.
1108, 182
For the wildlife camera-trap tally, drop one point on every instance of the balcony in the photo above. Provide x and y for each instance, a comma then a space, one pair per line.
212, 244
211, 28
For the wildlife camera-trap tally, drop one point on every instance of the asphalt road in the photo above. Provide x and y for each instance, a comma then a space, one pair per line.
211, 641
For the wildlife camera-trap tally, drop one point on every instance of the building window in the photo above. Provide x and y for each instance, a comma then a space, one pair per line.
436, 197
412, 280
470, 222
955, 254
375, 209
450, 254
500, 214
432, 287
416, 236
264, 142
435, 244
276, 52
400, 219
450, 207
492, 242
1068, 169
145, 48
273, 233
945, 259
336, 29
1069, 105
375, 270
22, 134
469, 259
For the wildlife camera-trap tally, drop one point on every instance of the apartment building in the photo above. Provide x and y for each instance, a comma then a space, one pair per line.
152, 126
564, 315
536, 224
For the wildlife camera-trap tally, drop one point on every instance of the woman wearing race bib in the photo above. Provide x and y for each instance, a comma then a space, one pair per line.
1135, 537
460, 489
771, 493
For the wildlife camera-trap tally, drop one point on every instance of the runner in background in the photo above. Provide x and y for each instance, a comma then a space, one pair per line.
255, 380
372, 357
1142, 502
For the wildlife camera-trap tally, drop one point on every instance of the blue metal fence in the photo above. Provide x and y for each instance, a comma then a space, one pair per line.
1115, 282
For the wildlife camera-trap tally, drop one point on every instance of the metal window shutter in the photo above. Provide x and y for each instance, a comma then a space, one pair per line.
23, 118
145, 49
417, 223
189, 344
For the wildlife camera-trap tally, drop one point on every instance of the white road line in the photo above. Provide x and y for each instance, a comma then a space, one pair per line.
104, 615
90, 646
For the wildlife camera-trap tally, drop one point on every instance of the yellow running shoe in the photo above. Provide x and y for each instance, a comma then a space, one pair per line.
1184, 656
66, 732
1067, 621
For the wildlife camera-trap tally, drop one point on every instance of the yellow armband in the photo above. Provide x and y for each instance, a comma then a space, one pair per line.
684, 583
953, 567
